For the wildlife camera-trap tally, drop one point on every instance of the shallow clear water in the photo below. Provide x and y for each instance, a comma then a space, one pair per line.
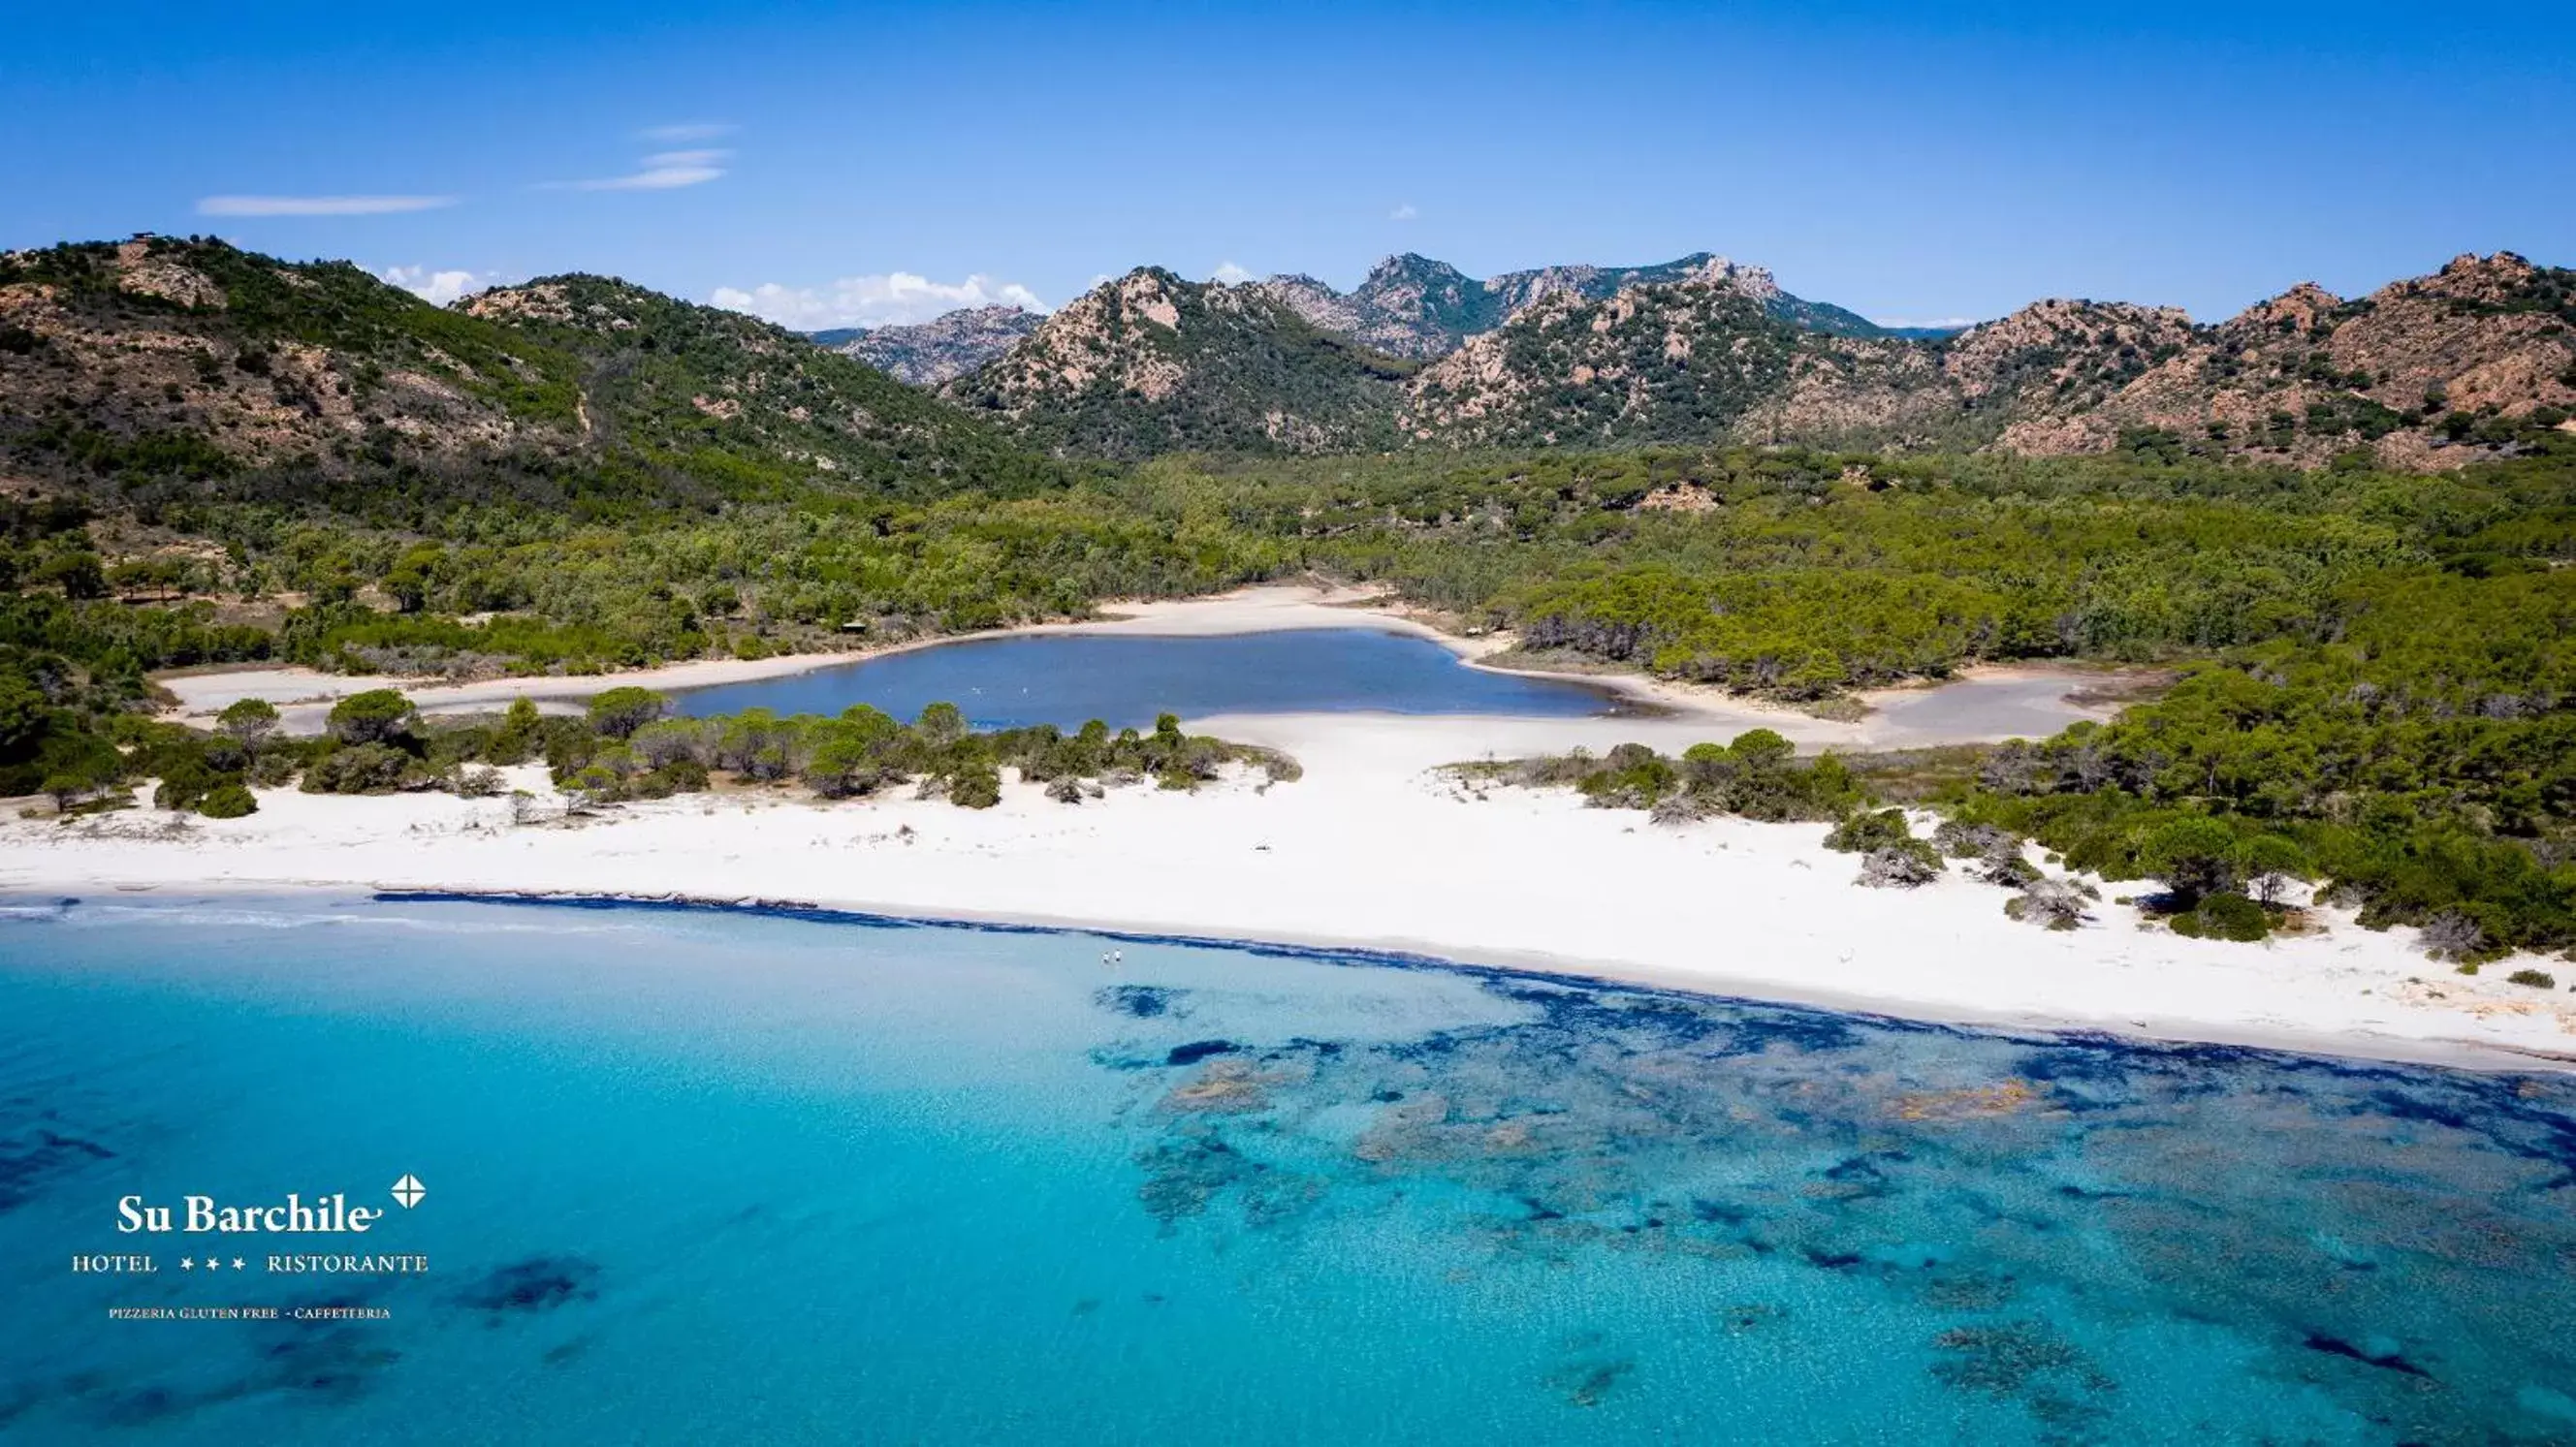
717, 1176
1066, 679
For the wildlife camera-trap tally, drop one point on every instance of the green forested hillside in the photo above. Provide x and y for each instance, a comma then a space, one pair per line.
161, 370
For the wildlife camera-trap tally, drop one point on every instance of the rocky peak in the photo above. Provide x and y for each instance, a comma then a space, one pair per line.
1147, 295
1410, 305
1417, 288
1150, 362
536, 302
2483, 278
1654, 360
143, 269
2064, 322
1119, 335
2299, 310
605, 305
1753, 282
927, 354
1412, 268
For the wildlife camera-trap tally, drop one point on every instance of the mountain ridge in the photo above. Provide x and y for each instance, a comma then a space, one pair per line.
1410, 305
2418, 368
164, 368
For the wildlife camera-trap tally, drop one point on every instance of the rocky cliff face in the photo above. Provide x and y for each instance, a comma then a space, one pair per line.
161, 365
940, 350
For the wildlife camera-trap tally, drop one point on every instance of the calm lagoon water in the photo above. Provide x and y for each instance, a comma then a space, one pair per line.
714, 1176
1066, 679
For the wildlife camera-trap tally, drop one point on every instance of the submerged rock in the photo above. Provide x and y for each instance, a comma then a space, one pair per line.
2009, 1097
1585, 1383
1184, 1174
540, 1283
1142, 1002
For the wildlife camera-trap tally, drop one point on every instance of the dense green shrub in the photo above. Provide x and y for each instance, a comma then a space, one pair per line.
369, 768
619, 712
248, 720
377, 716
976, 786
1871, 830
2223, 917
228, 800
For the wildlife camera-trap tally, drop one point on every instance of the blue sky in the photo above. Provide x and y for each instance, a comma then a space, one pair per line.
1914, 162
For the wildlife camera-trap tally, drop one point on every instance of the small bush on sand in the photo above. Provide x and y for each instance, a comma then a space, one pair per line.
2224, 917
2056, 904
1901, 866
2454, 936
1865, 833
228, 800
977, 786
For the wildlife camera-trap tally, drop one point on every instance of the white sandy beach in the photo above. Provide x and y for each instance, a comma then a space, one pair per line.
1377, 848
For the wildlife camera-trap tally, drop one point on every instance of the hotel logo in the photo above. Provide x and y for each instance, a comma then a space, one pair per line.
333, 1214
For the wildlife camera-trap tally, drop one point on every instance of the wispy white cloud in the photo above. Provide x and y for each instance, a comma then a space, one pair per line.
662, 171
318, 205
681, 135
438, 288
1927, 322
893, 299
1230, 274
1404, 212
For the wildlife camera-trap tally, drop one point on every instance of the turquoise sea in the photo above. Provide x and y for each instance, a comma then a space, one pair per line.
717, 1176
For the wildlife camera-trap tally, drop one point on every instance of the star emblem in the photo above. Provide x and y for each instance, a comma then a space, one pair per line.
237, 1263
409, 1190
187, 1263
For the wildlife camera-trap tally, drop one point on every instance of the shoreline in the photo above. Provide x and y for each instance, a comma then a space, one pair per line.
2359, 1050
1654, 706
1373, 850
2368, 1049
1261, 608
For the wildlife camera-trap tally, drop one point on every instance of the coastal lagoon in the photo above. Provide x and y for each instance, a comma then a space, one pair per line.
1124, 681
718, 1175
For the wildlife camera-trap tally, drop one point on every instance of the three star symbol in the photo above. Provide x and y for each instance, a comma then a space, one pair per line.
190, 1263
